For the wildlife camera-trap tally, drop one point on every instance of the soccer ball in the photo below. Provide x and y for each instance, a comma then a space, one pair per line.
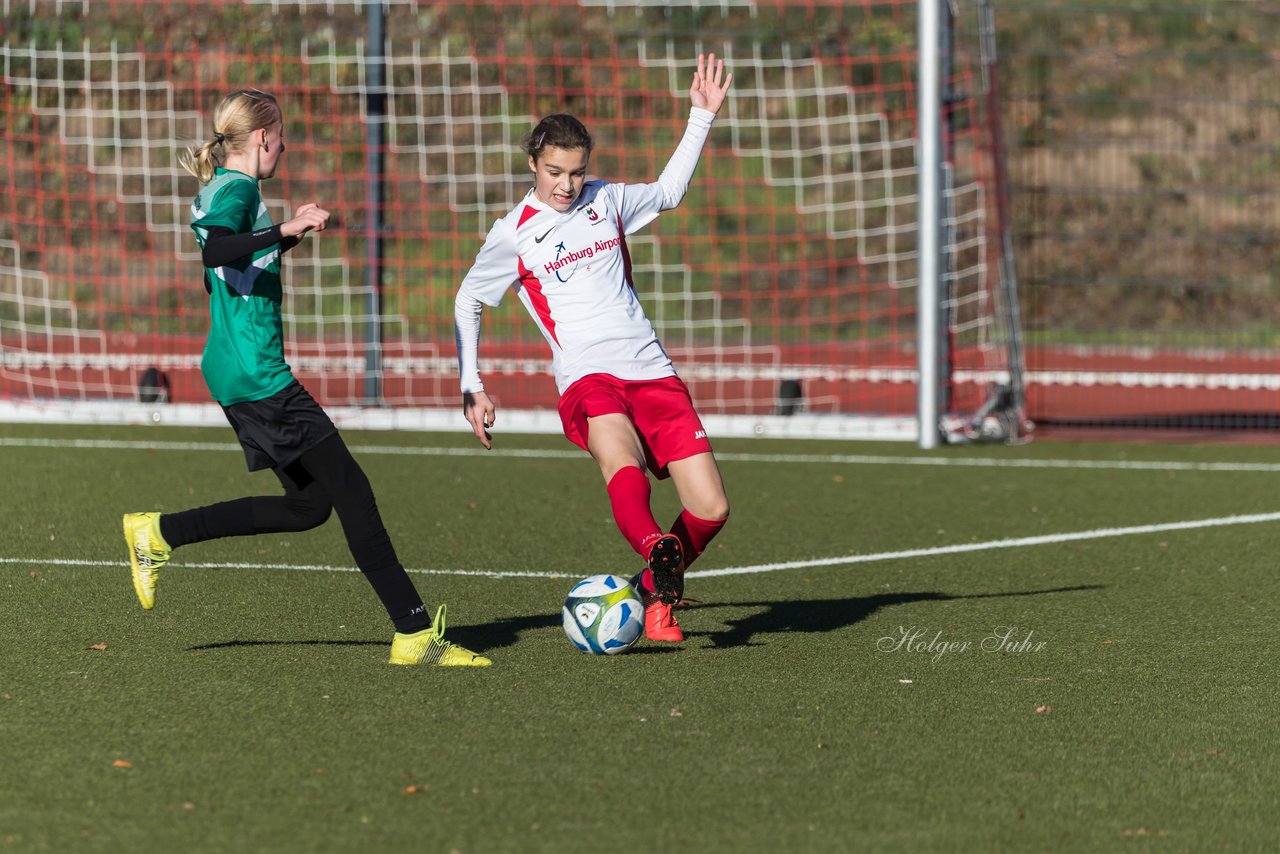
603, 615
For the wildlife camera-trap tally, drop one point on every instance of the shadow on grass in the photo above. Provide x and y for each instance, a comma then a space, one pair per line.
500, 633
481, 638
829, 615
796, 615
231, 644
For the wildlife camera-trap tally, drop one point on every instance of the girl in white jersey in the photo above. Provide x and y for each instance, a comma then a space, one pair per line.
563, 250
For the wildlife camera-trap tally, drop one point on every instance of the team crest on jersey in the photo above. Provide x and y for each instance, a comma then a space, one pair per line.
591, 213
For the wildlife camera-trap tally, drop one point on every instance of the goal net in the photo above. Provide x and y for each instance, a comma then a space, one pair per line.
784, 286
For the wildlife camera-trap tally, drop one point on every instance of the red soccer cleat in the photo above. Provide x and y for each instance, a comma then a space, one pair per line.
659, 623
666, 560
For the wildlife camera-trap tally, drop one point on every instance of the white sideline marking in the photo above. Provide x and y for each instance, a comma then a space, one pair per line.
292, 567
933, 551
1044, 539
821, 459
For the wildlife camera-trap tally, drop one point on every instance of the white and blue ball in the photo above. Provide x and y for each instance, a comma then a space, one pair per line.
603, 615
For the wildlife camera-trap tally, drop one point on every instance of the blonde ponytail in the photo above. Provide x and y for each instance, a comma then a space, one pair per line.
201, 162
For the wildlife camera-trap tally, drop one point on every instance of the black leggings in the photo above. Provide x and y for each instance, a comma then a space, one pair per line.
324, 478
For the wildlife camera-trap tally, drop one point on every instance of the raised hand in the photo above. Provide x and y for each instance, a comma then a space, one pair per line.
306, 218
710, 83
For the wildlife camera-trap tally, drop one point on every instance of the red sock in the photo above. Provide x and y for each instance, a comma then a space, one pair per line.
629, 494
694, 534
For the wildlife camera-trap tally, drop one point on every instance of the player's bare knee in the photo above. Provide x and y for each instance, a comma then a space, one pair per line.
713, 511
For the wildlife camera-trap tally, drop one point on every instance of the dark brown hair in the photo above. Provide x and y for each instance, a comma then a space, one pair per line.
561, 131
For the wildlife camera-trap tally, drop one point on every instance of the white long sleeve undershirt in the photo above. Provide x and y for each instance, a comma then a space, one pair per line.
678, 172
466, 334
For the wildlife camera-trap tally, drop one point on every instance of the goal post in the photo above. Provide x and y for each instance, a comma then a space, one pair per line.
955, 342
929, 341
789, 286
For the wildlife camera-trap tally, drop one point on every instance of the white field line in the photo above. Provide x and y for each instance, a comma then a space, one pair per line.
820, 459
291, 567
933, 551
1018, 542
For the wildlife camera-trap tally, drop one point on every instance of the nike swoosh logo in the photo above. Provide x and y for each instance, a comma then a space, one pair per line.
544, 235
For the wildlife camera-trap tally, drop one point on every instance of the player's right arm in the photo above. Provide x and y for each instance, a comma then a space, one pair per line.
477, 408
495, 270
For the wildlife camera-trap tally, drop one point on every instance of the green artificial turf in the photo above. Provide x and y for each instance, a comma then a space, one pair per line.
253, 708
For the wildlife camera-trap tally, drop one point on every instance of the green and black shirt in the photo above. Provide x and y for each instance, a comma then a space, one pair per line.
244, 356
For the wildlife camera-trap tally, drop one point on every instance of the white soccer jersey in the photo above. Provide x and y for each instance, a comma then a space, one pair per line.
573, 273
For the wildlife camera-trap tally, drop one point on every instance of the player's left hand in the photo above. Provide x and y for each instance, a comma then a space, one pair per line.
710, 83
308, 217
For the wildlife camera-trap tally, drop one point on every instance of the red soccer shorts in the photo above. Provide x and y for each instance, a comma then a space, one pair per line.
661, 410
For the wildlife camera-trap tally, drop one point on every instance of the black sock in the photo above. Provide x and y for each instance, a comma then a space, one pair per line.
414, 621
227, 519
296, 510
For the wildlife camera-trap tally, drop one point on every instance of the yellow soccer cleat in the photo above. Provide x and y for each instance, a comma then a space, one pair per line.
147, 553
429, 647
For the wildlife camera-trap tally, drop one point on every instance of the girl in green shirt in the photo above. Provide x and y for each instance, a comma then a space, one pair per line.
279, 425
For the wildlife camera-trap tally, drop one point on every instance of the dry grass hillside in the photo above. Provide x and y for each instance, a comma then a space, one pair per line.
1145, 168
